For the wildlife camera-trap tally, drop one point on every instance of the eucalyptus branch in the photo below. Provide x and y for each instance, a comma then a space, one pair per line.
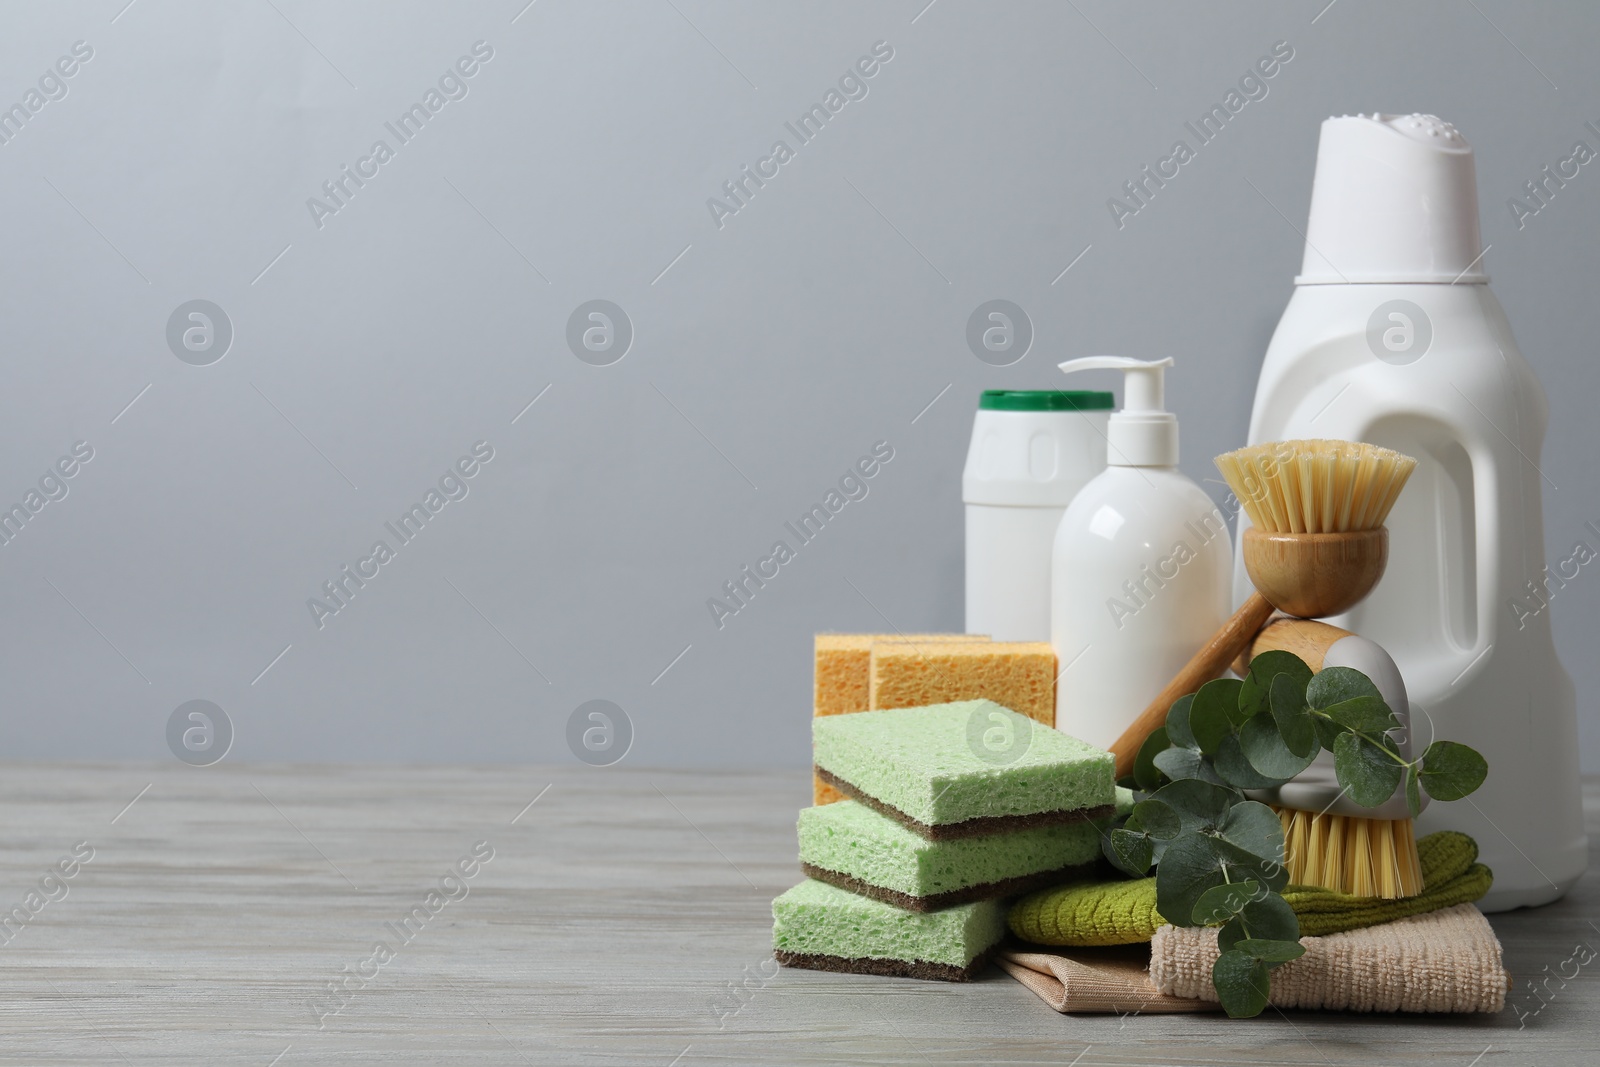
1375, 742
1218, 855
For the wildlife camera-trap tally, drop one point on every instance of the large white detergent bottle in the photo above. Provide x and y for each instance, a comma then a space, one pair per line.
1139, 573
1393, 337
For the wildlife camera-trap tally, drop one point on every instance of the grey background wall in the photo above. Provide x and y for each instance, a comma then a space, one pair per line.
373, 345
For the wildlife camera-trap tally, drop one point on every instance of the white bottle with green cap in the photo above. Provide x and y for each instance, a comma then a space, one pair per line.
1031, 451
1141, 567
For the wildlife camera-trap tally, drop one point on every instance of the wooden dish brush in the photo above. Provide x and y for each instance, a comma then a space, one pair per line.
1316, 547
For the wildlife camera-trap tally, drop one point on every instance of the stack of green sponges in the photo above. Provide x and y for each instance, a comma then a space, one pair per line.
956, 807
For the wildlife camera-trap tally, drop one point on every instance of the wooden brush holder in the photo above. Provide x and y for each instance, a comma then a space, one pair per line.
1305, 575
1311, 575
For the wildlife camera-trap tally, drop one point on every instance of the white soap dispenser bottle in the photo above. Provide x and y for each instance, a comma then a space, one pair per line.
1140, 570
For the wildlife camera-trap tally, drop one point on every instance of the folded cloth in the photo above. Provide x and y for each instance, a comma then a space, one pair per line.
1445, 961
1088, 914
1451, 875
1097, 980
1124, 912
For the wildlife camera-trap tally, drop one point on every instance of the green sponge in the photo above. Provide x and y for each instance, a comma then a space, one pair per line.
828, 929
962, 769
851, 846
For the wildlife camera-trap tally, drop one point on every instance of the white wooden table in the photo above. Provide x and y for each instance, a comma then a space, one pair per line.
623, 919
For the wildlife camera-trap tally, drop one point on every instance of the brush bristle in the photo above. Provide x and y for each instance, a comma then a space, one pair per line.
1360, 857
1316, 486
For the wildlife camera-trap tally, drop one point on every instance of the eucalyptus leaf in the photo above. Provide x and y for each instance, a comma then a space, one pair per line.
1241, 863
1334, 685
1270, 917
1254, 697
1367, 772
1225, 901
1255, 828
1242, 983
1413, 794
1263, 745
1156, 819
1328, 731
1234, 767
1201, 805
1368, 715
1271, 951
1178, 723
1180, 763
1256, 692
1451, 771
1188, 868
1211, 713
1195, 863
1128, 851
1146, 776
1292, 716
1230, 934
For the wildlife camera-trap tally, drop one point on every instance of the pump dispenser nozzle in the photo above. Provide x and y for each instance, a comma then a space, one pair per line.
1144, 433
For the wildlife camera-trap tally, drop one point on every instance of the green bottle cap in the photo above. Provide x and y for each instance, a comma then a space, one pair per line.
1044, 400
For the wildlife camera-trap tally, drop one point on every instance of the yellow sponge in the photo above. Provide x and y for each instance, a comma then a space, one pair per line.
1020, 675
843, 673
844, 666
823, 793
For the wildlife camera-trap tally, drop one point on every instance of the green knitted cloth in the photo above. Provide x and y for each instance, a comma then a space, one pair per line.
1124, 912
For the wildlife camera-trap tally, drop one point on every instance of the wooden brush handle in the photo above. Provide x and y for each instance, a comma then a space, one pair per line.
1306, 638
1232, 639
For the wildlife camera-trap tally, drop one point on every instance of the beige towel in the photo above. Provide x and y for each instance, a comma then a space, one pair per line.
1445, 961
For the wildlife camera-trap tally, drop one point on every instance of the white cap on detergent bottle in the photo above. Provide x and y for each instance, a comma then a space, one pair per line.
1394, 200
